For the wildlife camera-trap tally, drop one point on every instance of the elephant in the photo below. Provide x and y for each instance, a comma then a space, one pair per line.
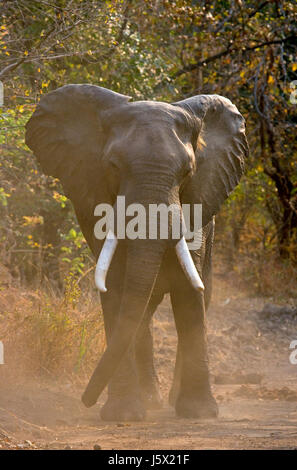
101, 144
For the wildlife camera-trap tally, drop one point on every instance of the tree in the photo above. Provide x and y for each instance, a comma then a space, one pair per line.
149, 49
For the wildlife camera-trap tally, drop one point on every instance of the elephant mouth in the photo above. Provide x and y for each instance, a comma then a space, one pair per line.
182, 252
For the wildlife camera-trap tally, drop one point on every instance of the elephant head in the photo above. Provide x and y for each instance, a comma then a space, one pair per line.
101, 145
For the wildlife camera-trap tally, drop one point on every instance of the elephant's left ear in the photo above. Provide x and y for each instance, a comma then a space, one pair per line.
220, 154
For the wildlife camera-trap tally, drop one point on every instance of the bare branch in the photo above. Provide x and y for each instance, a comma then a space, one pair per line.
11, 67
230, 49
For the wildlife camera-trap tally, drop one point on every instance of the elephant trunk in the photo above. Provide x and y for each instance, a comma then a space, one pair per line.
143, 262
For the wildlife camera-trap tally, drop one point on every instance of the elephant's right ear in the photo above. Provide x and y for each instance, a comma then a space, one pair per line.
221, 152
65, 133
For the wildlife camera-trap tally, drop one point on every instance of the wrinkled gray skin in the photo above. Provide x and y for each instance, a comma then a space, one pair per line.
100, 145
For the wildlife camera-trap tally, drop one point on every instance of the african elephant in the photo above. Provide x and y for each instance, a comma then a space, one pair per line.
100, 144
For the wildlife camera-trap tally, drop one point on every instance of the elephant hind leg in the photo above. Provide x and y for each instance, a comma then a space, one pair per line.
148, 378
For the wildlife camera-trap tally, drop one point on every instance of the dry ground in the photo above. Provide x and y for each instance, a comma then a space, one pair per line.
39, 414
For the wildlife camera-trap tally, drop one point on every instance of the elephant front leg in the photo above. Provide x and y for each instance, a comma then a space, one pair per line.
194, 399
124, 402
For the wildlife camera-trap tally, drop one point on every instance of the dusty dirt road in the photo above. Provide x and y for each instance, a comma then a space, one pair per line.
244, 347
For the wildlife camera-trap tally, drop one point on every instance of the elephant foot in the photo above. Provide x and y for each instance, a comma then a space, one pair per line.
123, 409
197, 407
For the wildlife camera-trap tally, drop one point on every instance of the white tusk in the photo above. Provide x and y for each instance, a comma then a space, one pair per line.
104, 260
188, 265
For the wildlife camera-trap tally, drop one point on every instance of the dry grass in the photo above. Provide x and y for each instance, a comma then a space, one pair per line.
268, 276
44, 334
258, 272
